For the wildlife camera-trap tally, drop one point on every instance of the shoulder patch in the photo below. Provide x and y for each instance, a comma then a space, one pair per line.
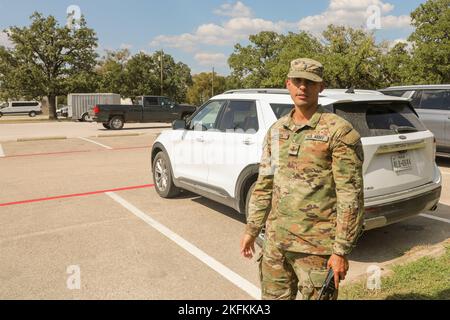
351, 138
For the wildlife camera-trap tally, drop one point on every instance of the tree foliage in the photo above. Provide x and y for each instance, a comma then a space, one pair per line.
132, 76
202, 87
351, 57
431, 42
48, 60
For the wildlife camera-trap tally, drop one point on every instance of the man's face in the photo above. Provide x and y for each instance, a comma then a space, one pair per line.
304, 92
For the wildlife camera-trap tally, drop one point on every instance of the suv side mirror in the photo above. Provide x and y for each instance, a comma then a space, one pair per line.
179, 125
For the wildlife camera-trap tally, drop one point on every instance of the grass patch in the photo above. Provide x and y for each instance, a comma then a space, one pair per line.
424, 279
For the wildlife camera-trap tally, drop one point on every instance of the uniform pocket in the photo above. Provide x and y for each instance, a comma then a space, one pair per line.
318, 277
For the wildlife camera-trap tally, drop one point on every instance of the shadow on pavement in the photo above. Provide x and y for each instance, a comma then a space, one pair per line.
226, 211
393, 241
443, 162
378, 245
138, 128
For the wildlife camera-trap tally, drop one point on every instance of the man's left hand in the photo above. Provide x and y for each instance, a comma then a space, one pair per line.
339, 264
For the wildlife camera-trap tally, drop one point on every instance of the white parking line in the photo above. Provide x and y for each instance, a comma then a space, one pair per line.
101, 145
434, 218
228, 274
2, 154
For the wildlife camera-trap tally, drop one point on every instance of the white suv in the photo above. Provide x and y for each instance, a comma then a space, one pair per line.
216, 153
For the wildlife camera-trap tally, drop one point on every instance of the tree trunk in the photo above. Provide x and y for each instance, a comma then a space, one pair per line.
52, 107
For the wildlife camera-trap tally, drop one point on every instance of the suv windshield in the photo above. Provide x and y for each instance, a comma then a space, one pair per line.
380, 118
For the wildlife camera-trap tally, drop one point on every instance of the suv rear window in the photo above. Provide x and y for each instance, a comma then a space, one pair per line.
372, 119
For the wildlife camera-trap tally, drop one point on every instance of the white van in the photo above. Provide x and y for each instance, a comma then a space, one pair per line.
32, 108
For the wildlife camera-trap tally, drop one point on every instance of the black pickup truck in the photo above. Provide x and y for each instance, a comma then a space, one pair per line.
146, 109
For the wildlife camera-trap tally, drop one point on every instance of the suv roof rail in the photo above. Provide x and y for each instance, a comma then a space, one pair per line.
262, 90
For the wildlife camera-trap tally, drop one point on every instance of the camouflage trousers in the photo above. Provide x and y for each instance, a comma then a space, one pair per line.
283, 273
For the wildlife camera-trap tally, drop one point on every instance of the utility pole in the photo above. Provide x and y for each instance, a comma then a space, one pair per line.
212, 83
161, 58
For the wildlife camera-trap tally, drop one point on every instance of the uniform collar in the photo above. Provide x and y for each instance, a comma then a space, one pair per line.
312, 123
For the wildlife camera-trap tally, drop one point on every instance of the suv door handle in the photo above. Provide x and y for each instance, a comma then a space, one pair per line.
248, 142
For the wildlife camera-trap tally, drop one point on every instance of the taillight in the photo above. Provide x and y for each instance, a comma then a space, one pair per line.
96, 109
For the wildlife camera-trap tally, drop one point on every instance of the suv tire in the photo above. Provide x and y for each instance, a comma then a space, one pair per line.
1, 114
116, 123
261, 236
106, 126
32, 114
163, 177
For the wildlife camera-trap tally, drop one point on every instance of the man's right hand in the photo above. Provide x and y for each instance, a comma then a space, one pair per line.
247, 246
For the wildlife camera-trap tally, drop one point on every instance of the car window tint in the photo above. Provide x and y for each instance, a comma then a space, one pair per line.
150, 102
206, 118
435, 99
372, 119
280, 110
415, 99
239, 115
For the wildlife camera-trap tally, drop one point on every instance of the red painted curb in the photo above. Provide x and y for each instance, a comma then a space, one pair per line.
70, 152
75, 195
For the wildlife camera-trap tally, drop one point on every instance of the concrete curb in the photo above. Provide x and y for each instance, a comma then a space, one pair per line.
41, 138
118, 135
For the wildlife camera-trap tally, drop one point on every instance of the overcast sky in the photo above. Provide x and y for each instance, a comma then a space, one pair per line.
202, 33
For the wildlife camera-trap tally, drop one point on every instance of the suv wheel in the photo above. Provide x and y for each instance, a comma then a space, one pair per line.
116, 123
106, 126
32, 114
261, 236
163, 178
1, 114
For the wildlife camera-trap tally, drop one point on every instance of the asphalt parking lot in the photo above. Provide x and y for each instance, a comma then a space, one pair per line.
88, 204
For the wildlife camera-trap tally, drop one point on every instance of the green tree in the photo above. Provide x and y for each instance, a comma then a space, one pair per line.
295, 45
111, 72
202, 87
142, 76
251, 65
176, 76
48, 60
351, 58
396, 65
431, 42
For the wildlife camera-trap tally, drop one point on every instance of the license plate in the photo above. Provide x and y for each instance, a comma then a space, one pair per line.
401, 162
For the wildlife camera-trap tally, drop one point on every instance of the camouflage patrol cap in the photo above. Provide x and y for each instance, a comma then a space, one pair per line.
307, 69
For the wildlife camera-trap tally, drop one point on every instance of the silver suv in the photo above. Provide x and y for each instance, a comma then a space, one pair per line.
432, 103
216, 153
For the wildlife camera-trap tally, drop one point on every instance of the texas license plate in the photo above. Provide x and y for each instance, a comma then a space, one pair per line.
401, 162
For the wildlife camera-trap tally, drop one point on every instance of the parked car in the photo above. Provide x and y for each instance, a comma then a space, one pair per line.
216, 153
432, 103
32, 108
146, 109
63, 111
80, 104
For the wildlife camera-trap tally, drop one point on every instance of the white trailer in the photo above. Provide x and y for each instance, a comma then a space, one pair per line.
79, 104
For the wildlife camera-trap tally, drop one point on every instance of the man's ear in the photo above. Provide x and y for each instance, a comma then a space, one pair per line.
287, 83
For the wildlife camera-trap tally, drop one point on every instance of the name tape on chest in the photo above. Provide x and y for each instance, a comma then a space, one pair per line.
317, 137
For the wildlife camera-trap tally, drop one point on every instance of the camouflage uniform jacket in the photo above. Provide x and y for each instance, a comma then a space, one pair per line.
310, 186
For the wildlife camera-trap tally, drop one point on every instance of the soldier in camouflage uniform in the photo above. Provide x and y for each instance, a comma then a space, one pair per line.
309, 194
